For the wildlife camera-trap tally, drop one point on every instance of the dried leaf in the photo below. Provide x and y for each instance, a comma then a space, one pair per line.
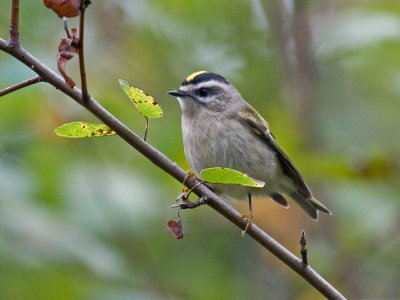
146, 104
175, 228
66, 50
229, 176
83, 129
64, 8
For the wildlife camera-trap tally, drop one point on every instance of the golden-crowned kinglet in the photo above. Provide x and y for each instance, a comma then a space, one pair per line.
220, 129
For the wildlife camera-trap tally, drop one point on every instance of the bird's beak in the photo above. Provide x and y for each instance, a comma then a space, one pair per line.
177, 93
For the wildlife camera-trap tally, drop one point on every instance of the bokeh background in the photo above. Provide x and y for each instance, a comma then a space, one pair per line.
86, 219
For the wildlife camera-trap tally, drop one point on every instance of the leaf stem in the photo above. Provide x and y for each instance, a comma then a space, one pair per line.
146, 129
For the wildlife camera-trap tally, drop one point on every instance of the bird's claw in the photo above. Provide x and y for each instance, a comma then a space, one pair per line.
189, 174
183, 196
249, 221
185, 204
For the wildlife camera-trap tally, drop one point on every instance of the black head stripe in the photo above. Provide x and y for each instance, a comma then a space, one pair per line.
204, 77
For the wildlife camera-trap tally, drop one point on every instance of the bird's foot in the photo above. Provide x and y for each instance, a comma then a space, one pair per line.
183, 197
189, 174
249, 221
186, 203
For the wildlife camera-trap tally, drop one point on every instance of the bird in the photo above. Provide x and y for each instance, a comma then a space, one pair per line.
221, 129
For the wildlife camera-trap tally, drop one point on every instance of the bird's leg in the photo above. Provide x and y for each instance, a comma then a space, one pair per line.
184, 195
188, 175
250, 205
248, 217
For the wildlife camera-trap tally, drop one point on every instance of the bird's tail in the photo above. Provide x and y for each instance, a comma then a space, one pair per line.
311, 205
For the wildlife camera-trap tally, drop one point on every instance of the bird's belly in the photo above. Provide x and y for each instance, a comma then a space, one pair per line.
245, 153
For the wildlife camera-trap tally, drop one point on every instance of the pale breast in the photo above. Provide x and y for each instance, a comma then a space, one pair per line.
237, 148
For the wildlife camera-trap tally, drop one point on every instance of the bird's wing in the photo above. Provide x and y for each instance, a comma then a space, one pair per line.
260, 127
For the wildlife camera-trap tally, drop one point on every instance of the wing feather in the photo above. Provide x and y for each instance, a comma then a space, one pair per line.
260, 127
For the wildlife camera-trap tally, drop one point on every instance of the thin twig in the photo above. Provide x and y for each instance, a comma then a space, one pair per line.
65, 21
14, 24
82, 69
20, 85
163, 162
146, 129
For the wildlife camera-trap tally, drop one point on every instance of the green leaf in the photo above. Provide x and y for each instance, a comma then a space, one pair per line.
82, 129
146, 104
124, 85
229, 176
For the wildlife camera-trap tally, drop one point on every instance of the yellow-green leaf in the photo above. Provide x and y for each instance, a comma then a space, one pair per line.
229, 176
145, 104
82, 129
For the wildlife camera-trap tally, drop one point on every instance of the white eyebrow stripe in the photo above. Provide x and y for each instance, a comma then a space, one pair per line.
206, 84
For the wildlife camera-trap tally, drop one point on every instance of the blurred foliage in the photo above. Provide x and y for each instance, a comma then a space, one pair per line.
86, 219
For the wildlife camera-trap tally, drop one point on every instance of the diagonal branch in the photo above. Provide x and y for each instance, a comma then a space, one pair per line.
20, 85
170, 167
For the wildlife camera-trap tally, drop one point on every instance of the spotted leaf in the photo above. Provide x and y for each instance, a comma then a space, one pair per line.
82, 129
146, 104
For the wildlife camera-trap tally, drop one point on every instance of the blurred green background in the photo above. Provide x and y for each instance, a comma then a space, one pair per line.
86, 219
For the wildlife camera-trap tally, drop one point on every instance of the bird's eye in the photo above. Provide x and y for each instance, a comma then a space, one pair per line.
203, 92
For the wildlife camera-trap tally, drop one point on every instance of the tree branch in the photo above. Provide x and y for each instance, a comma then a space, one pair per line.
14, 24
85, 93
20, 85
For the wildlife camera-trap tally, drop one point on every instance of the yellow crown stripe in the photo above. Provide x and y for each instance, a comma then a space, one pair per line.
192, 76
